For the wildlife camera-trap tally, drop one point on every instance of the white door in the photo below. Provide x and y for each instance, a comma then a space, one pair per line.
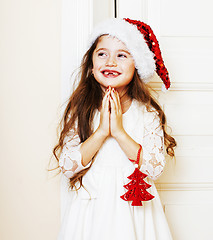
185, 33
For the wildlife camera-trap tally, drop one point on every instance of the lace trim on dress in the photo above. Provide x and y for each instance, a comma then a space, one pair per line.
153, 147
70, 158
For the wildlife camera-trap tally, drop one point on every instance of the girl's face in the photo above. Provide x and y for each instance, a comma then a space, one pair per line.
112, 63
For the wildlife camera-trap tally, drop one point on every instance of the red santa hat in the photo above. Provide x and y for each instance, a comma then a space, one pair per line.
141, 43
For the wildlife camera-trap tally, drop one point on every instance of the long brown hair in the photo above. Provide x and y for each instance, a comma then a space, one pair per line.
87, 97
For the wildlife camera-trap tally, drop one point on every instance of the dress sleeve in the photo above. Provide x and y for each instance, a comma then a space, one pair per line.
153, 146
70, 157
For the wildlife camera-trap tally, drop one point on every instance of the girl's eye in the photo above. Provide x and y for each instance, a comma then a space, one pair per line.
101, 54
122, 55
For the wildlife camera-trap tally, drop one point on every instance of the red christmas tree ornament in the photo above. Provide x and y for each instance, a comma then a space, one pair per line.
137, 187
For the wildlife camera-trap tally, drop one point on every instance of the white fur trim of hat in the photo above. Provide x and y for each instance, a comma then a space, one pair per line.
134, 41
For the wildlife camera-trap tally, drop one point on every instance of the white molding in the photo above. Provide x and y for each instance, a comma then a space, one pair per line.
112, 8
76, 25
191, 204
144, 10
154, 19
103, 10
180, 19
77, 22
185, 86
135, 9
184, 186
186, 36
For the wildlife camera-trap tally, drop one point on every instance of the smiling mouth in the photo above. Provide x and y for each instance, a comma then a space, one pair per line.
108, 73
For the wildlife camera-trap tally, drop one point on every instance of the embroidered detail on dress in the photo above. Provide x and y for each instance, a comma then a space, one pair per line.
153, 147
70, 158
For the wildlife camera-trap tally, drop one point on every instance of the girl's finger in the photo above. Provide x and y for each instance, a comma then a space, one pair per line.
106, 92
114, 98
113, 107
105, 102
118, 102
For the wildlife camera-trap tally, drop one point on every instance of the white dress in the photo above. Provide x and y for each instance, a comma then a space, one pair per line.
99, 212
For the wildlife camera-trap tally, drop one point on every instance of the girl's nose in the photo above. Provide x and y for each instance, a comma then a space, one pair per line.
111, 62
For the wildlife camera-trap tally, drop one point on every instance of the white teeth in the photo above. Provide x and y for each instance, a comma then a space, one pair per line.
113, 73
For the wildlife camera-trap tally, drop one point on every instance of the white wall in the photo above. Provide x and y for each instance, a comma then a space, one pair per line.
29, 101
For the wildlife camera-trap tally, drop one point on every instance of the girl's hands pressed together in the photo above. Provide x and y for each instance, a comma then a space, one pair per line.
111, 122
104, 125
116, 118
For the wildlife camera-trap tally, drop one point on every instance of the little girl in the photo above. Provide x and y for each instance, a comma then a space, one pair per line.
113, 129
